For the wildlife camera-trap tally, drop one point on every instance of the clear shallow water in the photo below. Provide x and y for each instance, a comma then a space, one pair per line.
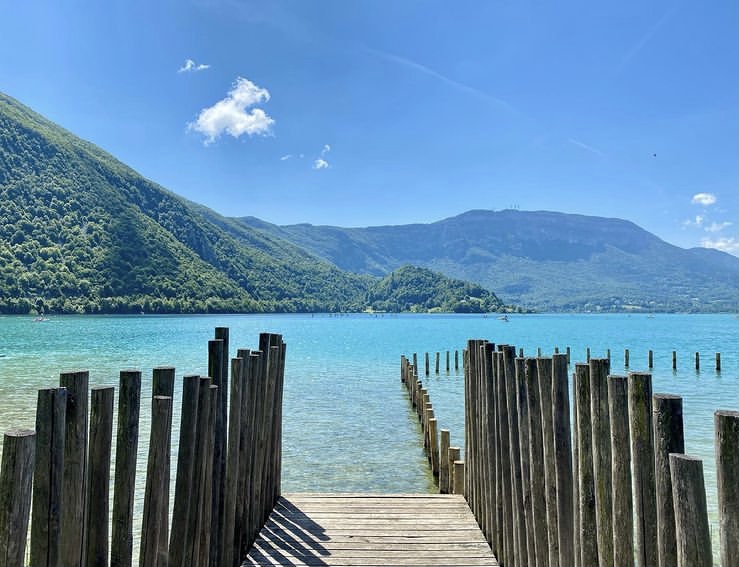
347, 424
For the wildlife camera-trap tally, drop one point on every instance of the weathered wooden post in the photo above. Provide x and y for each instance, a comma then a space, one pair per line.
16, 475
525, 443
75, 470
691, 515
163, 385
519, 510
434, 445
444, 462
588, 521
452, 456
718, 362
623, 510
218, 371
674, 360
697, 361
601, 436
184, 488
504, 468
230, 556
427, 364
47, 477
151, 542
436, 367
727, 479
563, 459
642, 455
447, 362
98, 480
126, 450
626, 358
568, 351
667, 417
536, 452
544, 371
458, 477
456, 360
650, 359
587, 354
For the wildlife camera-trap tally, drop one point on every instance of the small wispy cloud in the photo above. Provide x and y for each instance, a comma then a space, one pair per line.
698, 221
234, 114
286, 157
644, 40
717, 226
586, 147
320, 164
725, 244
325, 150
189, 66
704, 199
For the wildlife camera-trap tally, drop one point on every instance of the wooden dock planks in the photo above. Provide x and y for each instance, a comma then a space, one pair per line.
371, 530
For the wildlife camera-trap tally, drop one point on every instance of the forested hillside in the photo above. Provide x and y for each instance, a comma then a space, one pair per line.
82, 232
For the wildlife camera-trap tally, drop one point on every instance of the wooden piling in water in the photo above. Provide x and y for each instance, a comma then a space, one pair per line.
601, 438
544, 372
98, 480
427, 364
444, 462
674, 360
587, 354
525, 448
434, 446
623, 510
718, 362
452, 456
459, 477
153, 552
726, 425
667, 419
626, 358
163, 378
504, 470
447, 362
650, 359
47, 477
75, 461
586, 483
456, 360
691, 515
697, 361
437, 362
126, 450
563, 459
218, 372
230, 552
642, 454
536, 458
16, 474
185, 493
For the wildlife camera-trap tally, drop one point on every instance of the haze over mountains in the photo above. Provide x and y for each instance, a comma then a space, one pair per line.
82, 232
540, 260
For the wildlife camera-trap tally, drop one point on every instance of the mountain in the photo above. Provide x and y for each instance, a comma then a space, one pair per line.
541, 260
82, 232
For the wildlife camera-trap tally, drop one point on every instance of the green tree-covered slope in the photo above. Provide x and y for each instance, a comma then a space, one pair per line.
541, 260
82, 232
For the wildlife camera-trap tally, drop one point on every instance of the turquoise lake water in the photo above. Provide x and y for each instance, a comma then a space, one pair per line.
347, 422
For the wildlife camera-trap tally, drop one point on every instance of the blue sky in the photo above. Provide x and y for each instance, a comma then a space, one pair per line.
361, 113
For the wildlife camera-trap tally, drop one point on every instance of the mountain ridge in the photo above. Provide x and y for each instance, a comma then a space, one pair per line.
603, 264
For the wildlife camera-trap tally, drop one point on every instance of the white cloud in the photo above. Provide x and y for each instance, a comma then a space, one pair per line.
286, 157
730, 245
717, 226
325, 150
704, 199
698, 221
232, 114
189, 66
320, 164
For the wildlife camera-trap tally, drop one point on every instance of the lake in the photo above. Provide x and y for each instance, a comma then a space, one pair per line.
347, 422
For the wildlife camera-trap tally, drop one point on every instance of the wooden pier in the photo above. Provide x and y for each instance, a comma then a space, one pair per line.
371, 529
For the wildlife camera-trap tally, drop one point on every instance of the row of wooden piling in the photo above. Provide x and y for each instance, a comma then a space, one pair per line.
445, 461
227, 477
615, 488
627, 359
